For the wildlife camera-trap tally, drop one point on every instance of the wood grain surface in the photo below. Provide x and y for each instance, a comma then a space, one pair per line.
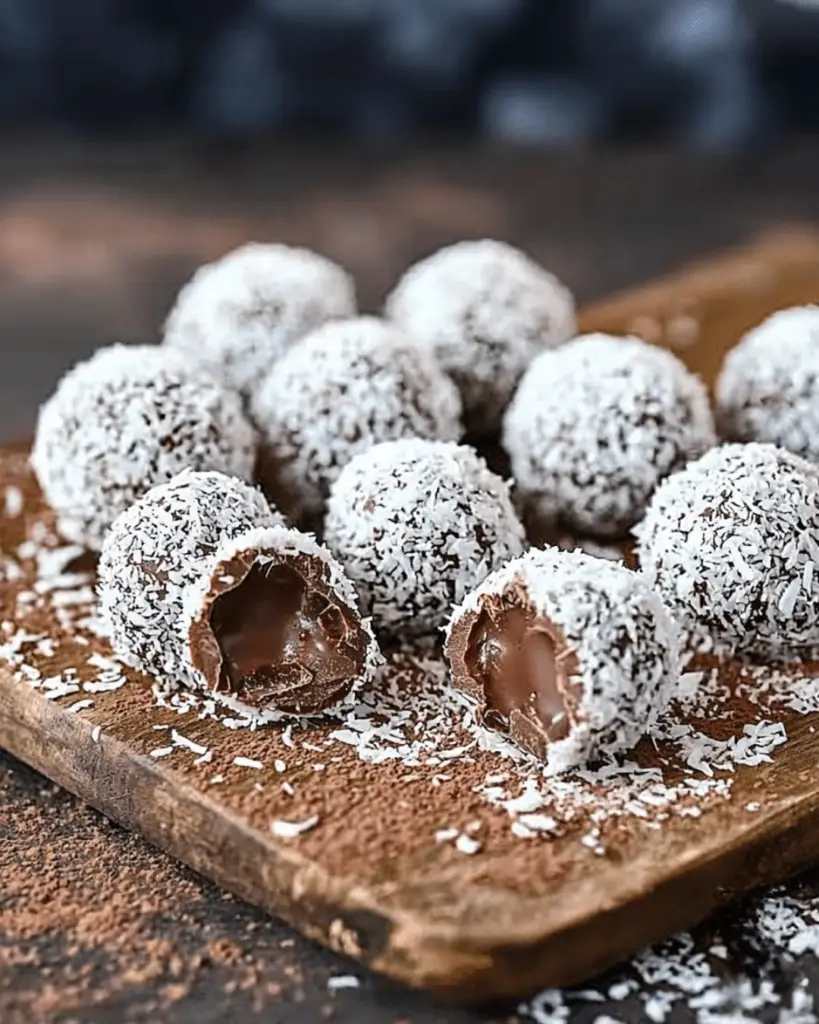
520, 913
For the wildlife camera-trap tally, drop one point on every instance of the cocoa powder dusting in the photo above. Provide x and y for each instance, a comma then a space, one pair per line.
404, 797
92, 916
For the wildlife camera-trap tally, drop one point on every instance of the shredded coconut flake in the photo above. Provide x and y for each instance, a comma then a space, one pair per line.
247, 762
343, 981
291, 829
468, 845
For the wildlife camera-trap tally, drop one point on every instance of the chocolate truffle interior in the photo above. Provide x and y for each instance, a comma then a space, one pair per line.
286, 643
520, 661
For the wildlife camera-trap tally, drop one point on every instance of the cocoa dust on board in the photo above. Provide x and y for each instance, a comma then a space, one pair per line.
403, 788
404, 785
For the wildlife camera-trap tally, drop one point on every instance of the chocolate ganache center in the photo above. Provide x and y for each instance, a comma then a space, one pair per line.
284, 643
517, 660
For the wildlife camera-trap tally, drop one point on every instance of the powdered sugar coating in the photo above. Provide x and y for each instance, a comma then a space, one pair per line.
273, 545
624, 639
486, 310
345, 387
417, 524
594, 427
768, 389
131, 417
156, 550
732, 544
241, 313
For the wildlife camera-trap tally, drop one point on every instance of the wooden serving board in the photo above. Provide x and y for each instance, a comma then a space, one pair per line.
392, 836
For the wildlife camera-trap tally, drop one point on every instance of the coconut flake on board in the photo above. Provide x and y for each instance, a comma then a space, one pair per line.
411, 718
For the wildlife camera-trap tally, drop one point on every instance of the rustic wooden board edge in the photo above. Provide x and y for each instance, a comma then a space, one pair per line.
145, 797
457, 965
134, 790
733, 271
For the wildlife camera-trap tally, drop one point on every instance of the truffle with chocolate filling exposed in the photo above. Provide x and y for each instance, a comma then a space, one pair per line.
155, 550
129, 418
571, 657
730, 543
594, 427
342, 389
417, 524
485, 310
273, 624
768, 389
241, 313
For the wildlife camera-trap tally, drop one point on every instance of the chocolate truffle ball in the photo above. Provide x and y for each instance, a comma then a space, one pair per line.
594, 427
127, 419
345, 387
155, 550
241, 313
768, 389
572, 657
731, 545
273, 623
417, 524
485, 310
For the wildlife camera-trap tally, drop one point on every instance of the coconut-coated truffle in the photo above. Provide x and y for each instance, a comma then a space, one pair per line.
416, 524
241, 313
273, 623
595, 426
345, 387
768, 389
572, 657
131, 417
155, 550
731, 543
486, 310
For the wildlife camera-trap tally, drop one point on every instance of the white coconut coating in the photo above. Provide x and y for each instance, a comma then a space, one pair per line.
156, 550
345, 387
595, 426
624, 640
274, 544
486, 310
416, 524
732, 544
127, 419
241, 313
768, 389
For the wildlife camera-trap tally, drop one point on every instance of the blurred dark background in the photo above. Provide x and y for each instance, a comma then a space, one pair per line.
712, 73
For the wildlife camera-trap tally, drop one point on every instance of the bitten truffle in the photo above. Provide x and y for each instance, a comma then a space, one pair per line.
345, 387
571, 657
202, 585
768, 389
731, 545
273, 622
155, 550
127, 419
594, 427
485, 310
417, 524
241, 313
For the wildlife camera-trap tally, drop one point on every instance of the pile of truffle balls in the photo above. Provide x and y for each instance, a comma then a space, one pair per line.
284, 488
